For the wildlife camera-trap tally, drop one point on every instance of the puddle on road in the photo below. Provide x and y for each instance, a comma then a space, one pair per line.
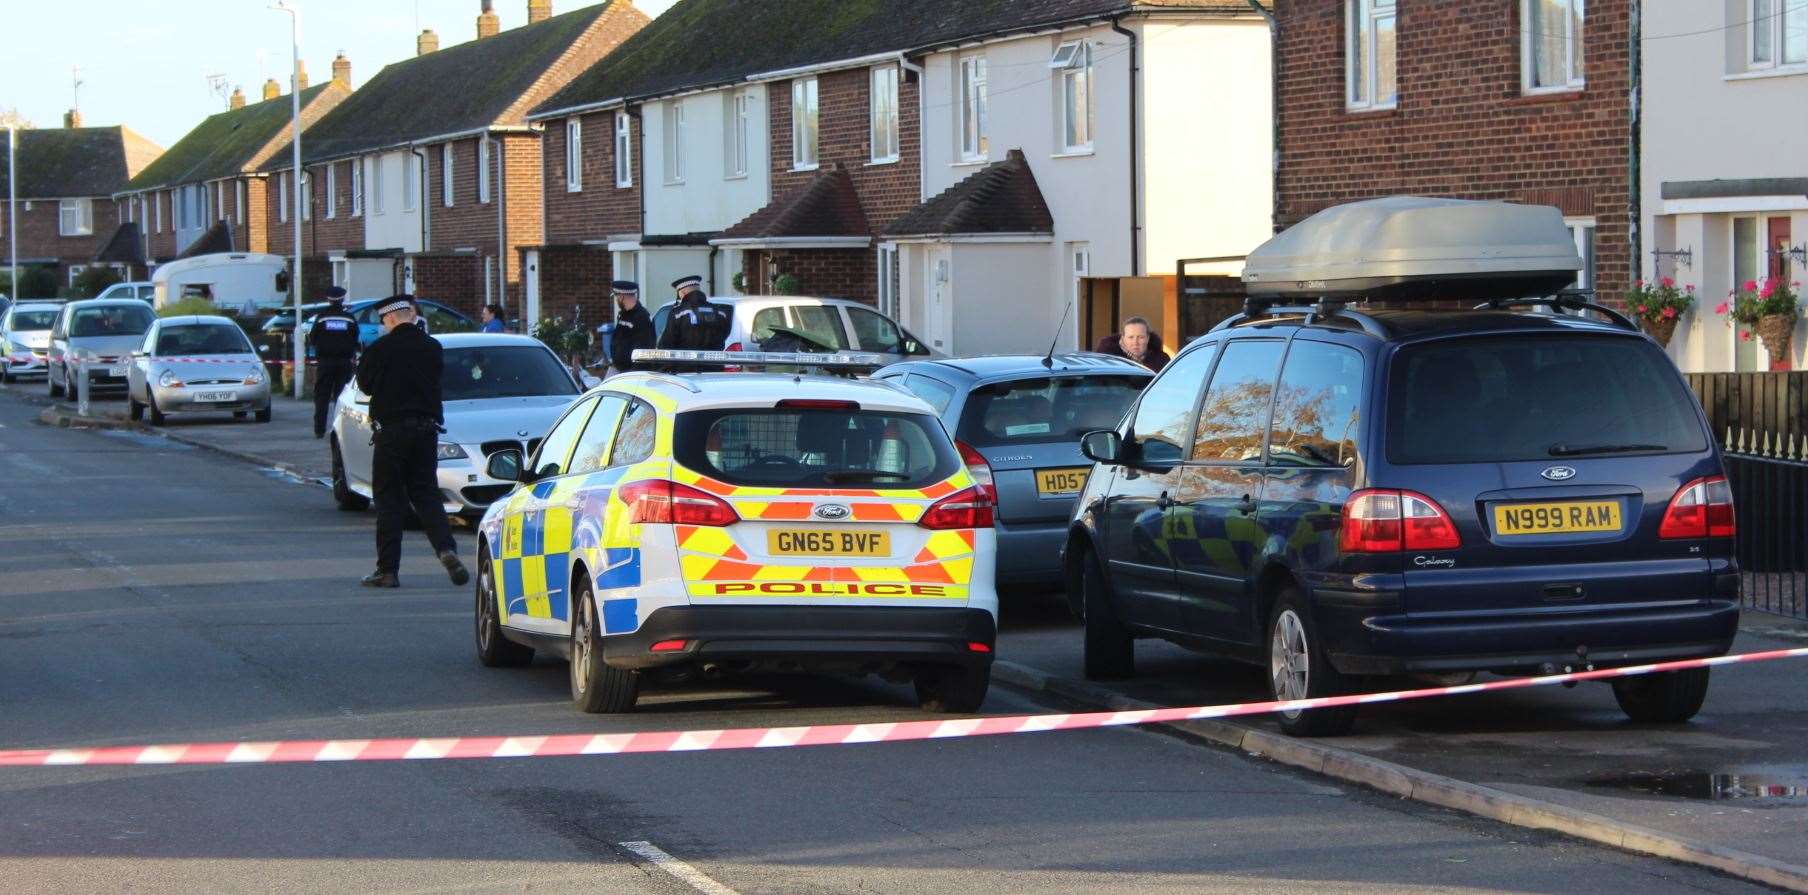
1709, 786
145, 440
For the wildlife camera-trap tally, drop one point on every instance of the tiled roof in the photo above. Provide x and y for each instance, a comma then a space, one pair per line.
1000, 198
747, 37
827, 205
231, 142
217, 239
125, 246
85, 161
459, 89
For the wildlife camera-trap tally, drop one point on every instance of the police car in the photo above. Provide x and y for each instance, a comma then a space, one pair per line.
695, 525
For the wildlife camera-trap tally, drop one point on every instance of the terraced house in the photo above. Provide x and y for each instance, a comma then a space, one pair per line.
67, 177
812, 157
428, 178
206, 194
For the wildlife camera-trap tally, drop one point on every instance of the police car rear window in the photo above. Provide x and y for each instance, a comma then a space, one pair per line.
1044, 409
786, 448
1530, 398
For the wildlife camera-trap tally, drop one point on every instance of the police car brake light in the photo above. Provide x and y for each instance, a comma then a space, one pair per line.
664, 502
967, 508
1388, 521
978, 468
1701, 509
817, 404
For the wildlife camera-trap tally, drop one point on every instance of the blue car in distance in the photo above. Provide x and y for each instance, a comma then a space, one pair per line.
439, 318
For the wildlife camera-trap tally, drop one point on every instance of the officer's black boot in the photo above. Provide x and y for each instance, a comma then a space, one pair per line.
381, 578
454, 568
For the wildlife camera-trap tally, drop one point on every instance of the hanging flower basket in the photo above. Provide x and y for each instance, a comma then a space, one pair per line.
1660, 306
1661, 330
1769, 309
1775, 330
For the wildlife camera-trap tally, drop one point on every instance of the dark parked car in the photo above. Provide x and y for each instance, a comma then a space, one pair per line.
1017, 423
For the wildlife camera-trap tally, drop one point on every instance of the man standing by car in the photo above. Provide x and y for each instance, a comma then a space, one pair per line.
696, 325
334, 336
401, 373
633, 326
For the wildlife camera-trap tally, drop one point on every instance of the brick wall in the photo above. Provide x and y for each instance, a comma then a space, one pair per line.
40, 236
319, 234
452, 280
163, 241
600, 209
470, 224
574, 283
844, 124
836, 273
1462, 127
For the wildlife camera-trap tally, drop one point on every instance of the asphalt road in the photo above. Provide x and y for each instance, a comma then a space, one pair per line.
151, 592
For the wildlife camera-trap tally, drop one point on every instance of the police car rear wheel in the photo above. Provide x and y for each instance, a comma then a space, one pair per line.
493, 649
596, 688
1109, 648
957, 691
1298, 669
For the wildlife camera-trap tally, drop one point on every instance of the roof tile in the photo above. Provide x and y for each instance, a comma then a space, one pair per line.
56, 163
1000, 198
828, 205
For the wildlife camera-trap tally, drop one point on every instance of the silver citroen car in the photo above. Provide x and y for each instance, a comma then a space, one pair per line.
196, 365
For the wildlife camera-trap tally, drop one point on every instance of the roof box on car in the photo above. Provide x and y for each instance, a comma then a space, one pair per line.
1406, 248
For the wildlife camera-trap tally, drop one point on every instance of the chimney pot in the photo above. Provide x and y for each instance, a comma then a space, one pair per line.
72, 119
272, 89
301, 75
428, 42
488, 25
342, 70
238, 99
538, 11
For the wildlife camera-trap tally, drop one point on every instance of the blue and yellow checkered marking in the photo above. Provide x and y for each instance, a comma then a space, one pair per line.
535, 562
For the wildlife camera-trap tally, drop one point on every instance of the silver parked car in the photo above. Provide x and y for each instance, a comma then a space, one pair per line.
197, 365
798, 323
100, 332
501, 392
25, 338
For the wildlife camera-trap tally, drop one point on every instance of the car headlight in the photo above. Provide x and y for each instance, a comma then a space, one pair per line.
255, 377
169, 380
450, 451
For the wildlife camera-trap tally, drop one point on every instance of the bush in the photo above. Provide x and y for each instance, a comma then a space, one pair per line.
785, 284
566, 340
36, 282
187, 307
93, 281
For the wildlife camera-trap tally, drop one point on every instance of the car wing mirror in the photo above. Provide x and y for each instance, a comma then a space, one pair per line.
506, 465
1103, 446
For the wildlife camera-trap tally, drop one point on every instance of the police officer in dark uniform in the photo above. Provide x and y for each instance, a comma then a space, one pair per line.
334, 337
401, 373
633, 326
696, 325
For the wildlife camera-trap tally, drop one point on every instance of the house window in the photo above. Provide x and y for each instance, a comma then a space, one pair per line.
219, 198
376, 185
75, 272
411, 182
282, 200
75, 217
888, 281
157, 210
357, 187
1551, 42
1074, 63
804, 110
1369, 62
445, 175
885, 114
624, 151
238, 189
307, 195
1582, 230
740, 134
332, 191
674, 142
973, 122
483, 169
1777, 26
574, 155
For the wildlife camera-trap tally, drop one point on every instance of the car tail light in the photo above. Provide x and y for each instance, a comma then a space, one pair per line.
669, 646
974, 646
669, 503
733, 346
1387, 521
1701, 509
979, 469
967, 508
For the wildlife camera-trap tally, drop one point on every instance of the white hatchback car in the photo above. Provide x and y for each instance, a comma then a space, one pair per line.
500, 392
690, 526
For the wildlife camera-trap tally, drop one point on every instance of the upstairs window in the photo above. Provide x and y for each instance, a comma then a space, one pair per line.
740, 135
157, 210
307, 195
1778, 33
483, 169
624, 151
411, 182
1551, 45
804, 122
446, 196
75, 217
574, 155
377, 199
1369, 71
973, 123
282, 200
357, 187
1073, 64
239, 205
332, 191
674, 142
885, 114
219, 199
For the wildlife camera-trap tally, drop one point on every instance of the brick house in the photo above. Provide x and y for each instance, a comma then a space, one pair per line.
428, 179
1521, 100
206, 193
67, 177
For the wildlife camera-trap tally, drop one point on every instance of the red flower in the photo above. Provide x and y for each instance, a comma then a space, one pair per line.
1669, 313
1641, 309
1746, 336
1722, 308
1667, 283
1750, 286
1690, 288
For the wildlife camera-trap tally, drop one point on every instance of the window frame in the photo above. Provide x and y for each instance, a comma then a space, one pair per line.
157, 203
411, 182
1579, 225
1078, 66
738, 153
84, 215
357, 209
282, 199
332, 190
448, 185
1211, 380
219, 200
884, 82
673, 118
574, 155
1190, 426
1362, 28
585, 406
621, 425
483, 169
1574, 45
806, 99
972, 117
307, 195
376, 186
624, 151
1773, 25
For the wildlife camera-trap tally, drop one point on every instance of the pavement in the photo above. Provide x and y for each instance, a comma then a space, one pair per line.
175, 597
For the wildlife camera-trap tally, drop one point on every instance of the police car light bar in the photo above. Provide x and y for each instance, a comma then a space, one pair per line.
845, 360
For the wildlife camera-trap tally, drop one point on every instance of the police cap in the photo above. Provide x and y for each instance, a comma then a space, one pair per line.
335, 293
628, 286
682, 282
395, 303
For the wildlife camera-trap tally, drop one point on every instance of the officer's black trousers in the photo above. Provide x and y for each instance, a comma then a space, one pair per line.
329, 378
404, 474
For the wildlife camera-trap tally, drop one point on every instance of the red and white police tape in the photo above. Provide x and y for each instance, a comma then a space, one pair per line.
289, 751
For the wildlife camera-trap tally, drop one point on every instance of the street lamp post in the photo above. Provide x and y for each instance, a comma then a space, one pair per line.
300, 354
12, 209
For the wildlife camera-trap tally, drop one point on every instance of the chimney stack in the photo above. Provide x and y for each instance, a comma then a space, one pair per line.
487, 23
538, 11
342, 69
238, 99
301, 75
272, 89
72, 119
428, 42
